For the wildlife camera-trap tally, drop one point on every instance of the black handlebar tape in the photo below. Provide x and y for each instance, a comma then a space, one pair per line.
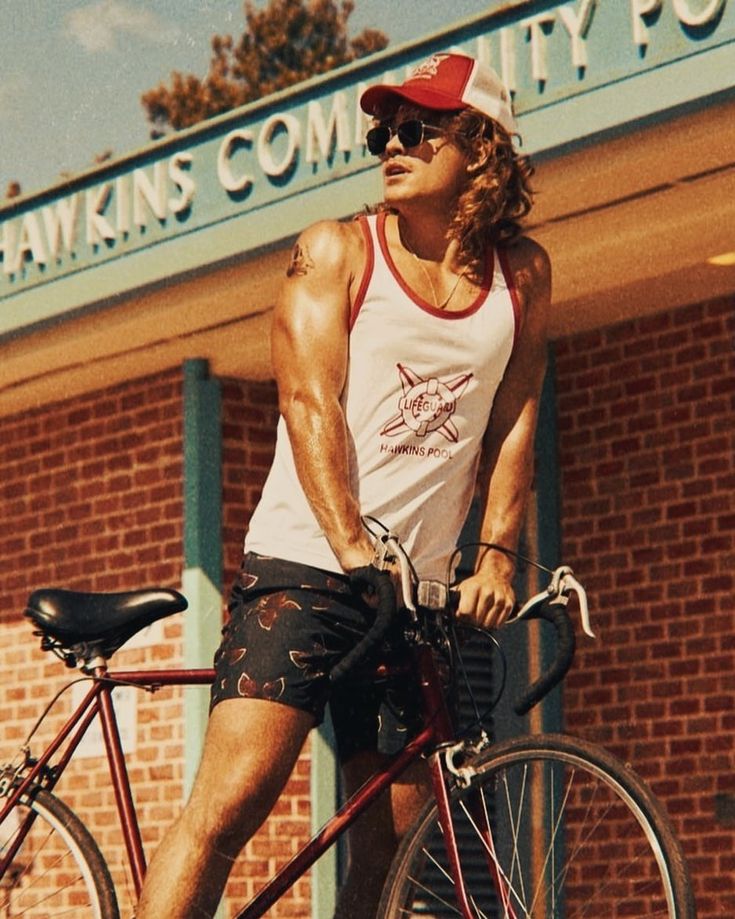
566, 643
371, 581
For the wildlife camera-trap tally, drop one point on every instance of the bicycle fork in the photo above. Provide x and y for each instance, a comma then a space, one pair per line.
441, 766
480, 819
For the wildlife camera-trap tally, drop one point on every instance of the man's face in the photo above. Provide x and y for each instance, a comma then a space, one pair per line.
433, 168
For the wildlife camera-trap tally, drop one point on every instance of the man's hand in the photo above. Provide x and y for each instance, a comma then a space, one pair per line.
487, 597
356, 555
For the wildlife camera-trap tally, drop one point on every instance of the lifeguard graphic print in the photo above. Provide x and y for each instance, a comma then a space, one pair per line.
427, 405
419, 389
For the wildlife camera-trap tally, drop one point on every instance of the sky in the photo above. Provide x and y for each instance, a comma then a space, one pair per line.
72, 71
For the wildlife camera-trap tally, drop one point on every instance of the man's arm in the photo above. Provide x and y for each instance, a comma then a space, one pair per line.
507, 464
310, 348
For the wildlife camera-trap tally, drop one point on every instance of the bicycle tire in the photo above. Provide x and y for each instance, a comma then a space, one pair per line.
576, 833
58, 869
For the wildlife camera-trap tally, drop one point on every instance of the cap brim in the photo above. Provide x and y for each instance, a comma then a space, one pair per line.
385, 99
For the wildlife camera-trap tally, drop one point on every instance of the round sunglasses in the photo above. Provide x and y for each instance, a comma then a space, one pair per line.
410, 134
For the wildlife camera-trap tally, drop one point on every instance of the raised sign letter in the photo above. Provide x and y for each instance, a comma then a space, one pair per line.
97, 227
60, 222
639, 9
7, 247
537, 38
684, 12
30, 242
151, 193
227, 180
265, 157
577, 24
180, 177
318, 132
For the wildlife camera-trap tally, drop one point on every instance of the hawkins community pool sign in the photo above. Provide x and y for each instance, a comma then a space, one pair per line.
253, 177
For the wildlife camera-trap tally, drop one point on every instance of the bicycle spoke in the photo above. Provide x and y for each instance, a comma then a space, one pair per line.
434, 896
556, 824
591, 829
45, 899
494, 858
514, 831
41, 879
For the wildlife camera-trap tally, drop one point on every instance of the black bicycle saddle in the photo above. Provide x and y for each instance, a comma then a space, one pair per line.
72, 617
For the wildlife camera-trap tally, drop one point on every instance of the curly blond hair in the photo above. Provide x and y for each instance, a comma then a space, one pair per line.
499, 195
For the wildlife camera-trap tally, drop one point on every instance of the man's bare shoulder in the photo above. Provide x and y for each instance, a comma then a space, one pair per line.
529, 260
326, 247
531, 269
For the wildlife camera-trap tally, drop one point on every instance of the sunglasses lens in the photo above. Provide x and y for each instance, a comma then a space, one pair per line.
411, 133
377, 139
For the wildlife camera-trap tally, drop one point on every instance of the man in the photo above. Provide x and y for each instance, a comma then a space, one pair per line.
409, 350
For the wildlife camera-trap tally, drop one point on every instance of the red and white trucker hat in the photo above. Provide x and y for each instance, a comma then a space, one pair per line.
447, 82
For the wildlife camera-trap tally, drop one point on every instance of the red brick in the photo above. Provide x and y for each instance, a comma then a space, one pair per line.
673, 515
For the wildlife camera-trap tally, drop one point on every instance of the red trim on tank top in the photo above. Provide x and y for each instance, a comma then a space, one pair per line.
367, 271
513, 291
419, 301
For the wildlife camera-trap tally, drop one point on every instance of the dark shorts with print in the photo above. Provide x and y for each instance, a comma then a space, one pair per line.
289, 624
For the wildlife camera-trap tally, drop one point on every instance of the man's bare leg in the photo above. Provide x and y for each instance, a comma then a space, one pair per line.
374, 838
249, 752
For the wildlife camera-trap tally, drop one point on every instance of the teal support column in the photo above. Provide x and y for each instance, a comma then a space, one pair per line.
202, 545
548, 525
548, 499
324, 794
529, 647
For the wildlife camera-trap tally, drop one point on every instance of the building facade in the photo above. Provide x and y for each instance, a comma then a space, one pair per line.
138, 409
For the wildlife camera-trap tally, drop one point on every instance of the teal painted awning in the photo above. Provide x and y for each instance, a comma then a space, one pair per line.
250, 179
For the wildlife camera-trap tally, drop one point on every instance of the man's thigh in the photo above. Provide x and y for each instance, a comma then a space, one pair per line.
250, 749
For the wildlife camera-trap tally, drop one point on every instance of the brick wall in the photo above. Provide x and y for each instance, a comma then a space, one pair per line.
91, 492
646, 430
249, 418
90, 499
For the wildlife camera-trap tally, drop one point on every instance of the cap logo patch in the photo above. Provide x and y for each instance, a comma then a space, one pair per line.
427, 69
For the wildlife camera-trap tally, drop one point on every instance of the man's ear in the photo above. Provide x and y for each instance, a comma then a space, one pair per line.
483, 158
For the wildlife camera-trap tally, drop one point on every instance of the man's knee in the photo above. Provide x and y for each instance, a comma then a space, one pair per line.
249, 752
224, 816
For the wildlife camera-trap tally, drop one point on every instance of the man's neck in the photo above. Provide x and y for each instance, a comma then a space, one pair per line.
423, 233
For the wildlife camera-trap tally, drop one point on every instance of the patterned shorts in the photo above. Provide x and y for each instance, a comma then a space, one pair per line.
289, 624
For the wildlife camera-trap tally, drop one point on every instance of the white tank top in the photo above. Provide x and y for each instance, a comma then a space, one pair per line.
419, 391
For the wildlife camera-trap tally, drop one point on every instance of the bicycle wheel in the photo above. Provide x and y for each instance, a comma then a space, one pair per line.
58, 869
548, 828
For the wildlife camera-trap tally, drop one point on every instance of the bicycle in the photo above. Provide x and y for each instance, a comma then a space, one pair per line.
540, 827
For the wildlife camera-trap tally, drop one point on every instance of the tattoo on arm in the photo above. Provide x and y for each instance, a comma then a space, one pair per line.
300, 263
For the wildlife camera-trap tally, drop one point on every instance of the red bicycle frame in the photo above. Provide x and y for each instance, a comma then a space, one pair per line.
98, 701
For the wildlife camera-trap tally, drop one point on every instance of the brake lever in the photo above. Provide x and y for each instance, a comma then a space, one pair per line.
561, 585
387, 551
570, 583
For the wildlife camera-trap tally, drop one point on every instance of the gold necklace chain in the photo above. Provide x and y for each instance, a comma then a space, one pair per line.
445, 302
